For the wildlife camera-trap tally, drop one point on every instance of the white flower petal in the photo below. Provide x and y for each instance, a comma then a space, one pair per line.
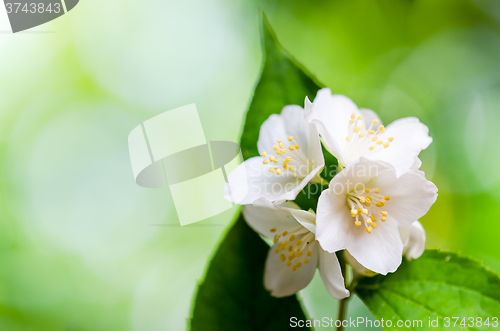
359, 270
410, 137
417, 163
268, 219
333, 221
380, 251
331, 274
306, 218
415, 244
411, 195
291, 122
331, 115
252, 180
279, 278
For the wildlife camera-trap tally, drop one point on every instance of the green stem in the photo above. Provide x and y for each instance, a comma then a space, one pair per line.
343, 302
342, 312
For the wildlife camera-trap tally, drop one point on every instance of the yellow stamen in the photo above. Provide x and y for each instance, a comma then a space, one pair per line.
367, 190
264, 154
386, 145
282, 257
291, 147
351, 121
369, 229
299, 265
371, 148
384, 213
273, 230
364, 211
390, 139
292, 253
285, 233
387, 198
375, 121
292, 237
361, 135
374, 225
278, 172
291, 168
348, 138
288, 263
309, 253
378, 142
297, 146
358, 223
265, 161
371, 132
353, 116
377, 190
361, 118
290, 138
374, 139
299, 253
383, 218
276, 251
294, 268
381, 129
275, 147
306, 261
356, 129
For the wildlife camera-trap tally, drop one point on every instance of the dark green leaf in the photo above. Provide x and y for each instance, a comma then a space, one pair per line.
232, 296
435, 286
283, 82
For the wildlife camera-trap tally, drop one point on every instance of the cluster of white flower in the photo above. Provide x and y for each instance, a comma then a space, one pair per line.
370, 208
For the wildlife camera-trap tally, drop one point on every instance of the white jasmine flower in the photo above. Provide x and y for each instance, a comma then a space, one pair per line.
350, 133
292, 260
413, 238
291, 157
365, 206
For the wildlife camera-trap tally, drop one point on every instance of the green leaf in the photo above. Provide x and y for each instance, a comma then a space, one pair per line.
435, 286
232, 296
283, 82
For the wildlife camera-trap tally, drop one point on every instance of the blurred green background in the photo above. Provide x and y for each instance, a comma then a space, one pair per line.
84, 248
